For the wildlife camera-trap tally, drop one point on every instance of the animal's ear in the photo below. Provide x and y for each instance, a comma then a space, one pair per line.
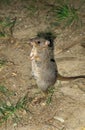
47, 43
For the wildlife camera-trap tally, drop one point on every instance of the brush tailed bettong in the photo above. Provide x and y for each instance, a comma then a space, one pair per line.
44, 68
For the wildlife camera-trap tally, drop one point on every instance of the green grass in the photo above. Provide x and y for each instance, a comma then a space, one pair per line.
5, 2
2, 62
66, 14
6, 26
7, 111
50, 95
7, 108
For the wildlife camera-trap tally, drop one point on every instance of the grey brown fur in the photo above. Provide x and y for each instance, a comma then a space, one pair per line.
44, 68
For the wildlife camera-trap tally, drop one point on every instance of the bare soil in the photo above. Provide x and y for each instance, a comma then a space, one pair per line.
67, 108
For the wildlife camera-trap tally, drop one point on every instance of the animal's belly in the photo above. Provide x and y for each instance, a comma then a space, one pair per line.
44, 75
46, 79
35, 70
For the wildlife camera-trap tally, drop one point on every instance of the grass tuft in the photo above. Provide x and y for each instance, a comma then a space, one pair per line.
2, 62
50, 95
7, 108
67, 14
6, 26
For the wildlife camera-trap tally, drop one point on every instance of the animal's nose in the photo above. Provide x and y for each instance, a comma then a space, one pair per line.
30, 42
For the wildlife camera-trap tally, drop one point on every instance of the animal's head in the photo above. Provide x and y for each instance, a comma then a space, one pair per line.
39, 42
43, 40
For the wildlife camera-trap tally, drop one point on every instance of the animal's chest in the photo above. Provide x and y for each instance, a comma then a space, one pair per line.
43, 67
43, 70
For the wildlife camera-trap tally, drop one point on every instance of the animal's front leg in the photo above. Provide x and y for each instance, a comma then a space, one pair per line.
34, 56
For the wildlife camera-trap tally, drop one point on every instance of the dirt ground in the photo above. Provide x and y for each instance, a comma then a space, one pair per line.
67, 108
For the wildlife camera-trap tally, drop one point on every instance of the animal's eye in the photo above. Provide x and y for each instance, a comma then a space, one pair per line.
38, 42
52, 60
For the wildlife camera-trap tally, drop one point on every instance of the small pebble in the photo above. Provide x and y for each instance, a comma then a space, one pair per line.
8, 103
68, 51
43, 104
24, 112
59, 119
15, 124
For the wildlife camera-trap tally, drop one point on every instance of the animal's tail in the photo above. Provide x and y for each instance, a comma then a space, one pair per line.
63, 78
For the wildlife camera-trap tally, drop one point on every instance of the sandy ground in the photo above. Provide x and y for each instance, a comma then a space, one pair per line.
67, 108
